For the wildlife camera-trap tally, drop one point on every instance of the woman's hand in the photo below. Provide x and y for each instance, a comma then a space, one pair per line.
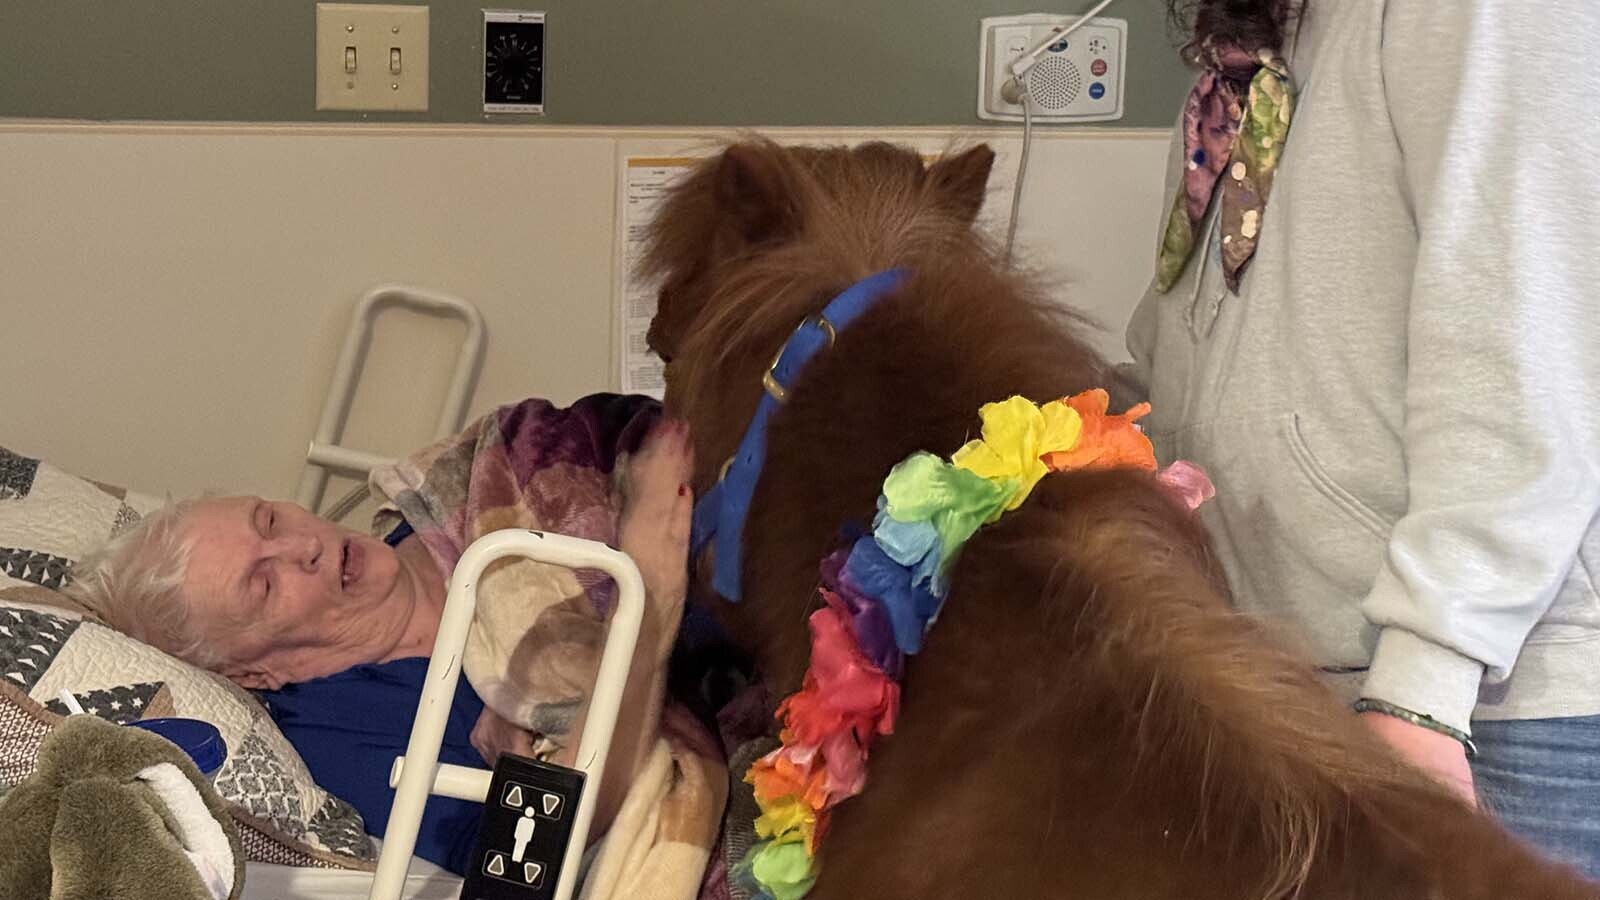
654, 528
654, 532
492, 736
1440, 756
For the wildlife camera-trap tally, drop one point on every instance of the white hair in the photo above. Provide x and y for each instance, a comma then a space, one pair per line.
134, 583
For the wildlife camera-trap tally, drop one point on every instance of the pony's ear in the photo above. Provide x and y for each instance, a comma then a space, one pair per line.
755, 193
963, 180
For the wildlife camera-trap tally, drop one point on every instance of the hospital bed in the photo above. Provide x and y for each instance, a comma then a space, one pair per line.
418, 773
325, 455
399, 874
269, 881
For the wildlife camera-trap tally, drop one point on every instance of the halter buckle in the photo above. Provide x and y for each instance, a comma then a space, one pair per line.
769, 381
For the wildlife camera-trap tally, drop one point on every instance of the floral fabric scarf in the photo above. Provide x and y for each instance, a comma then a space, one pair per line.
1235, 123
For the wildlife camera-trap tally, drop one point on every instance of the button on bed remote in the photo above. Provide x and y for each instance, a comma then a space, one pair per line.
527, 822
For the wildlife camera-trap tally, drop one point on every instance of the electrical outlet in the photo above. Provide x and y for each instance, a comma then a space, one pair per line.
372, 56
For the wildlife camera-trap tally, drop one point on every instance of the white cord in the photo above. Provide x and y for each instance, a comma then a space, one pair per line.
1021, 65
1019, 73
1022, 164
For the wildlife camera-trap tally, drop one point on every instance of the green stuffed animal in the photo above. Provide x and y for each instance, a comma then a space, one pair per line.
115, 813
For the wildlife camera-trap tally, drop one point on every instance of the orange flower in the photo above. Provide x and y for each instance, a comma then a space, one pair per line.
1108, 441
778, 775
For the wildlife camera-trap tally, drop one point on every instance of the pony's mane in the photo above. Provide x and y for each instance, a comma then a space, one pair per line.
859, 210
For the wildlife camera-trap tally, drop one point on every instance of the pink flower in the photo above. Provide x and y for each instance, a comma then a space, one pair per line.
1188, 483
843, 691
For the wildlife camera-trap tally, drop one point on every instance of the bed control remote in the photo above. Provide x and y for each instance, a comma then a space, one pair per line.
527, 821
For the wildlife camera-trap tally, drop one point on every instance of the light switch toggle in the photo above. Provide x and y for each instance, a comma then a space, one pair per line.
350, 59
394, 60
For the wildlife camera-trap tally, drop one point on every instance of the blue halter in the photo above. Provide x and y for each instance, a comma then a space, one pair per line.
720, 514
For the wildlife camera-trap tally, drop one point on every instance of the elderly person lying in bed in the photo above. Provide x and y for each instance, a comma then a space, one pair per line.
333, 628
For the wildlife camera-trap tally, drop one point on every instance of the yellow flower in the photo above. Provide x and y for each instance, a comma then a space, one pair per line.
786, 820
1016, 434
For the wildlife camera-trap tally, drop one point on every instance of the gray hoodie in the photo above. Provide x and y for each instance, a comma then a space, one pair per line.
1401, 408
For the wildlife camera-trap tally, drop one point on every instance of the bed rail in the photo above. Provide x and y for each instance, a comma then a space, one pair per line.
326, 454
419, 773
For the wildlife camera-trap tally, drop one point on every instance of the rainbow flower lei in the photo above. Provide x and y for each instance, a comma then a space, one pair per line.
882, 592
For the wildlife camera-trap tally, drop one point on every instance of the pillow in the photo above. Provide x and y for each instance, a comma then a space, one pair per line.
48, 520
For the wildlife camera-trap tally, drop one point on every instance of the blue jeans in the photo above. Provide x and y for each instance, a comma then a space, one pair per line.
1541, 777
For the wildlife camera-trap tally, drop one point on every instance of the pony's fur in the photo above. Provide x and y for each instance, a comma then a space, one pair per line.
1089, 719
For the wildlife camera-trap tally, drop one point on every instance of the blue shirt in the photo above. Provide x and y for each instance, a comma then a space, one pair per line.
349, 727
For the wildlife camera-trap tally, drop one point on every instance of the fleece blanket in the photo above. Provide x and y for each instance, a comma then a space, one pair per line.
534, 647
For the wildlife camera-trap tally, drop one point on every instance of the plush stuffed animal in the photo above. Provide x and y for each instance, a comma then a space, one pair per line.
116, 812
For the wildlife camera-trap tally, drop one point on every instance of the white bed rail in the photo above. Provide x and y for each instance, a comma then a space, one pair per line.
326, 454
419, 773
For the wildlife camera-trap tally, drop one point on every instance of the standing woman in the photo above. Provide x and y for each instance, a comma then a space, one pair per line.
1375, 320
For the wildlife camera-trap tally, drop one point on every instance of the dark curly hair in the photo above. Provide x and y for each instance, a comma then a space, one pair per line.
1251, 24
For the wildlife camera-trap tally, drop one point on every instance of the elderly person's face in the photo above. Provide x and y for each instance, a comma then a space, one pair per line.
284, 595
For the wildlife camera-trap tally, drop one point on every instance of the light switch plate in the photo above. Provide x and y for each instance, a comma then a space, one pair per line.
385, 46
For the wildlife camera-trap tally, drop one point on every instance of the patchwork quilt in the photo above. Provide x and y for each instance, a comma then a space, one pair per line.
48, 520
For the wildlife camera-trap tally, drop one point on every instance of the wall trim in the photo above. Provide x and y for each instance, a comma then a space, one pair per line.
495, 130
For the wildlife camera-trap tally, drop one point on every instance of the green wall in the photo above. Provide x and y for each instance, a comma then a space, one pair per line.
622, 62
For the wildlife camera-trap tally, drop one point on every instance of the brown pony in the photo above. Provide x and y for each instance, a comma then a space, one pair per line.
1089, 719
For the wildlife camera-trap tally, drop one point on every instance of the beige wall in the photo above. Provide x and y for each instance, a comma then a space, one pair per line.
173, 297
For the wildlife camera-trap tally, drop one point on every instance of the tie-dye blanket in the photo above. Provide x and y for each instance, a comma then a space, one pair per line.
535, 645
